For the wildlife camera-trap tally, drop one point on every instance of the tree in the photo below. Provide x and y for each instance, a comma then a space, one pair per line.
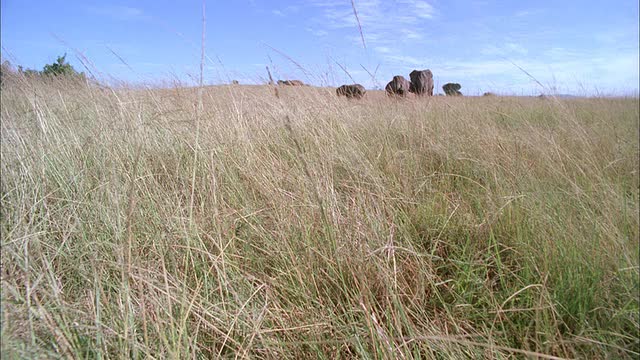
60, 68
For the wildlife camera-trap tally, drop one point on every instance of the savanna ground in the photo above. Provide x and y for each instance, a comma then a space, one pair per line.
137, 223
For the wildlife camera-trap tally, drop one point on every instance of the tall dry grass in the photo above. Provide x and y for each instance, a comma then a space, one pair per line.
312, 226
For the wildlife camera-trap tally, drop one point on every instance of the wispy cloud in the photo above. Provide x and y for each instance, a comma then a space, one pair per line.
286, 11
419, 8
318, 32
410, 34
118, 12
617, 36
506, 50
382, 49
528, 12
600, 71
383, 22
560, 53
405, 60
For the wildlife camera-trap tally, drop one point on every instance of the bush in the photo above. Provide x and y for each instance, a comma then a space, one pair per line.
60, 67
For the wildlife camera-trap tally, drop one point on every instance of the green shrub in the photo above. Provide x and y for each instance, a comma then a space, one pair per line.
60, 68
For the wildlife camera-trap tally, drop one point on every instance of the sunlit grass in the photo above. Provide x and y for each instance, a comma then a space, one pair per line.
318, 227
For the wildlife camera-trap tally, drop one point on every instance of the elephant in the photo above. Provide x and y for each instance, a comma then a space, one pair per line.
351, 91
421, 82
399, 86
489, 94
452, 89
291, 82
235, 82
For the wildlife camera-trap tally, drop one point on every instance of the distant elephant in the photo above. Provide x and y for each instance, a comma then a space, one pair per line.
399, 86
290, 82
489, 94
351, 91
421, 82
452, 89
235, 82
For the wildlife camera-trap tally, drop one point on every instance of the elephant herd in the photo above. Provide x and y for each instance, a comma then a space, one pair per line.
421, 84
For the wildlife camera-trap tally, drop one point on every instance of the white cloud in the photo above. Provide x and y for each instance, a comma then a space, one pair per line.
617, 36
528, 12
291, 9
615, 71
420, 8
383, 22
561, 53
506, 50
405, 60
118, 12
410, 34
516, 48
382, 49
317, 32
286, 11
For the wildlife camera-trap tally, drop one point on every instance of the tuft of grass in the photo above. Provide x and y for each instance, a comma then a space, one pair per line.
312, 226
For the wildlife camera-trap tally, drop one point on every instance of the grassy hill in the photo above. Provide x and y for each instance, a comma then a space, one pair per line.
142, 223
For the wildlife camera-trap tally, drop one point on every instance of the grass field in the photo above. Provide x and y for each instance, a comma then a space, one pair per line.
143, 223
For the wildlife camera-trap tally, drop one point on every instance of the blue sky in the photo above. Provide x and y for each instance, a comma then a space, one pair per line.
581, 47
